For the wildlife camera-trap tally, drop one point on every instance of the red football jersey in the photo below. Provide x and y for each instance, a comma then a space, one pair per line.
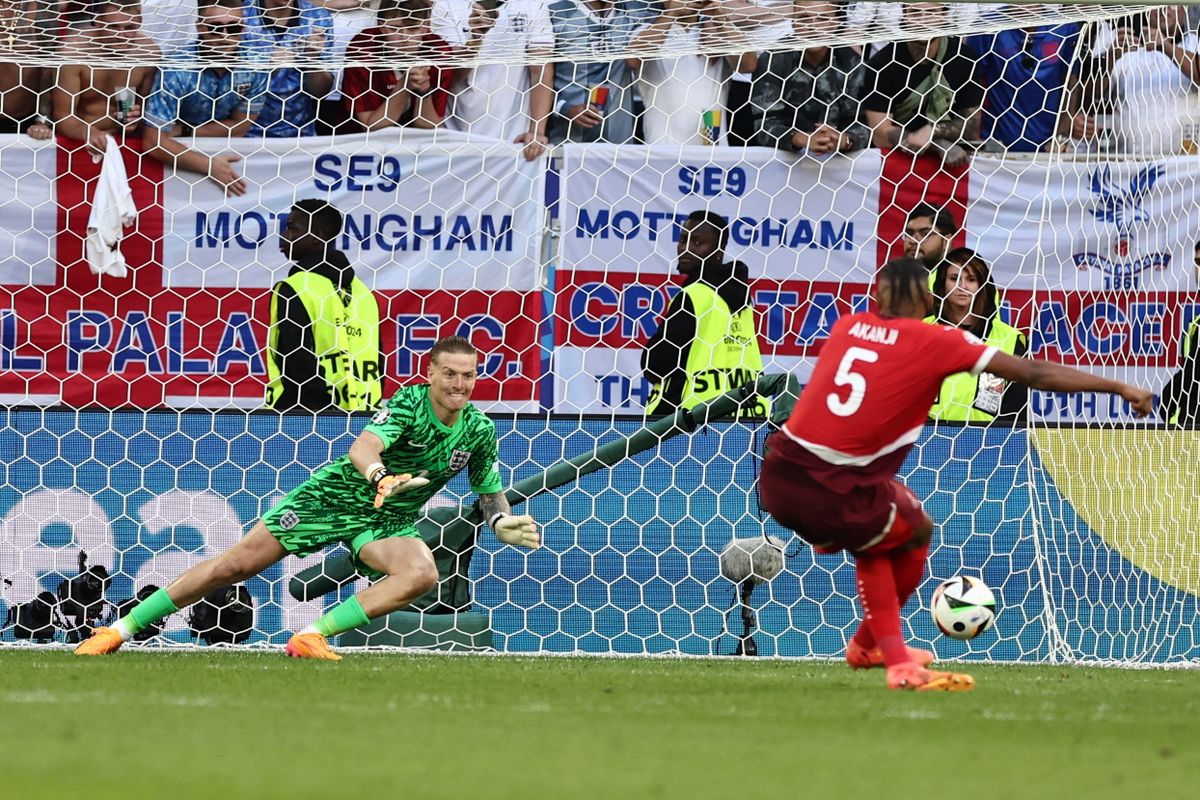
874, 383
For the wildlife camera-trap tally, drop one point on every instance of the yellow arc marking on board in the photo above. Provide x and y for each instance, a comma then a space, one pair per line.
1138, 490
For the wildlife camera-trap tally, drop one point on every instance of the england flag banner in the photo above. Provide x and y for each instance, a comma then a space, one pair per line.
804, 227
446, 232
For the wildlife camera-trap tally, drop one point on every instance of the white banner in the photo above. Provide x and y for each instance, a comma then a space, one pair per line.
791, 218
1123, 225
794, 222
424, 210
609, 380
28, 213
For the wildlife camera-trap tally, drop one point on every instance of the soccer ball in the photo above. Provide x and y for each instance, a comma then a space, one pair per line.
963, 607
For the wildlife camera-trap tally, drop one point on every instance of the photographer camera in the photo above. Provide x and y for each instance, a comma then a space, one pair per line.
34, 619
224, 616
125, 606
81, 599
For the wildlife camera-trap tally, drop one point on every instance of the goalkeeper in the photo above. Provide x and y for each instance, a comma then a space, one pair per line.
369, 500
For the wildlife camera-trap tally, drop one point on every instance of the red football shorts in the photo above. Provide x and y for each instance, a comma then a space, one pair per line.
835, 507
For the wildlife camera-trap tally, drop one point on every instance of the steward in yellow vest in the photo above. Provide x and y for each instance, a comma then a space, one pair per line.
966, 298
707, 343
323, 345
1180, 400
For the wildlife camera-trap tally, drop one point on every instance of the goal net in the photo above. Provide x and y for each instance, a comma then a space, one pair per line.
522, 173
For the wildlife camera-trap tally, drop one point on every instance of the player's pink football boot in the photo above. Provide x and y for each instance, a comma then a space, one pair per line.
859, 657
102, 642
913, 677
311, 645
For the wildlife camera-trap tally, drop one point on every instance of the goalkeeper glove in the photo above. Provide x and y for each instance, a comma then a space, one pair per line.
521, 531
386, 484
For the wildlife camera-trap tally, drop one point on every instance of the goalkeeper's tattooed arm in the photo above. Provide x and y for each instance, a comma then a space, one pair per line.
510, 529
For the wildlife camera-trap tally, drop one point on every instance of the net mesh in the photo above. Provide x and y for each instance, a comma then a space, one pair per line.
519, 174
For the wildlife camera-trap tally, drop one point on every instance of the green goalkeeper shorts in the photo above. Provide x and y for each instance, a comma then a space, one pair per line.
310, 518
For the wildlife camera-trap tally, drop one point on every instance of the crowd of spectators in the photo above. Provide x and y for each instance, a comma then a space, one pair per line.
286, 68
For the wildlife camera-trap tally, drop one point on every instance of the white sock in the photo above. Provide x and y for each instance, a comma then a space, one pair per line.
121, 626
309, 629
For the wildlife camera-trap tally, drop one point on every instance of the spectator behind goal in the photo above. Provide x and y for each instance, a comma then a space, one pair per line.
417, 92
593, 98
90, 103
507, 101
290, 31
202, 97
685, 96
1030, 75
809, 100
921, 95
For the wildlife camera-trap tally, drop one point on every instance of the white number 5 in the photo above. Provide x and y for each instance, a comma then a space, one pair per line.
856, 382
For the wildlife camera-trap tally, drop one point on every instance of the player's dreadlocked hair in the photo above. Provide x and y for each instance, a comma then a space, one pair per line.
451, 344
901, 280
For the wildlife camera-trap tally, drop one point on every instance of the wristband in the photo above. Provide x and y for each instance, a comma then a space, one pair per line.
376, 472
499, 515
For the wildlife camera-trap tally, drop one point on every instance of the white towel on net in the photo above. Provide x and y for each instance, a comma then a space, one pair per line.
112, 210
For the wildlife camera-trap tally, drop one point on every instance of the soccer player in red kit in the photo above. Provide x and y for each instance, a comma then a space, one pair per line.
830, 472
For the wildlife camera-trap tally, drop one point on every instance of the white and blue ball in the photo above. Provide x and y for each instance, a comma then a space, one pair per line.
963, 607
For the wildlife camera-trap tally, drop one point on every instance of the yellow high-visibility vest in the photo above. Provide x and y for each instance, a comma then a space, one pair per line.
1189, 342
723, 356
976, 398
345, 340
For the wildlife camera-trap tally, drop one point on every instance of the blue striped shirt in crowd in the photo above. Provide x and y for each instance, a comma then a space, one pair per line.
287, 109
194, 95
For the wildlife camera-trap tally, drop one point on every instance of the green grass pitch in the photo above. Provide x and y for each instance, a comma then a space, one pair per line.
226, 725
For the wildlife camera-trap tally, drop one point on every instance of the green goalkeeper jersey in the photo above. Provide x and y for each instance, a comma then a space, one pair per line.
416, 442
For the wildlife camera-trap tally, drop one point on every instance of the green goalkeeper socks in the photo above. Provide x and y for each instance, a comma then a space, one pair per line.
341, 618
147, 612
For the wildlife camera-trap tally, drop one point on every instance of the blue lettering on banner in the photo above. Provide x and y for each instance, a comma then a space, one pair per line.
1122, 275
819, 318
493, 363
87, 331
1070, 404
1146, 329
249, 230
618, 391
712, 181
641, 308
776, 306
1052, 329
176, 362
9, 360
593, 309
357, 173
1079, 406
795, 234
239, 345
387, 232
416, 334
430, 232
1105, 338
136, 343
